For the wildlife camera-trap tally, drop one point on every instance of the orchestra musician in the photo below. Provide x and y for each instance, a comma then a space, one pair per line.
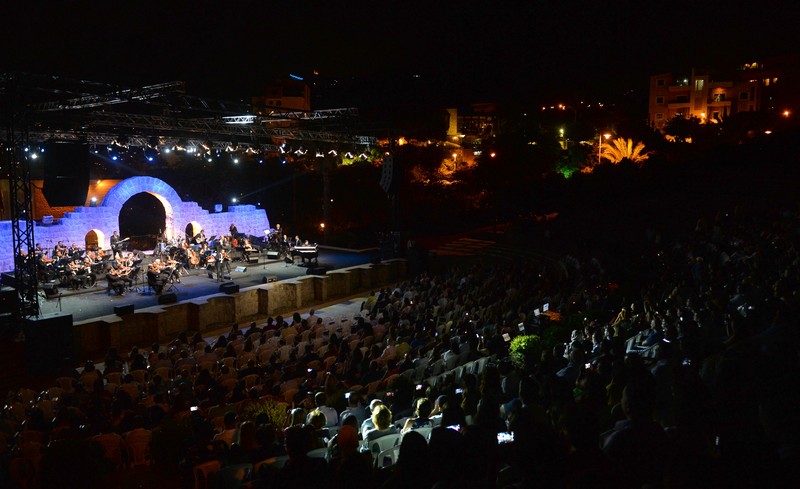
217, 261
119, 279
59, 250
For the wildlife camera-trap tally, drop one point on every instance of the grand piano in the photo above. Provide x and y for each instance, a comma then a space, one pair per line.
307, 253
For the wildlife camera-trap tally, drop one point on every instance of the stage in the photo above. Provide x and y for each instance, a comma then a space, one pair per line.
98, 301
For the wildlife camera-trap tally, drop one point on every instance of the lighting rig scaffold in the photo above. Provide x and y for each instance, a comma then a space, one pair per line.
37, 109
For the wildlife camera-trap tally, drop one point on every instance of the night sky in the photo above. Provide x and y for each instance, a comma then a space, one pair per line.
492, 50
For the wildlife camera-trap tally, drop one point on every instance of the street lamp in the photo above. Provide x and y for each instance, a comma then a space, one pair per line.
600, 146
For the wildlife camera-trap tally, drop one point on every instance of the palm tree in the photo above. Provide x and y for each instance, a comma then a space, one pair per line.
621, 149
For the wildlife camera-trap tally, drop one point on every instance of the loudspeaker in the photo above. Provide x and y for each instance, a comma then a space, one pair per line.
126, 309
253, 260
273, 255
49, 342
229, 288
268, 279
167, 298
66, 173
8, 279
50, 290
316, 271
240, 269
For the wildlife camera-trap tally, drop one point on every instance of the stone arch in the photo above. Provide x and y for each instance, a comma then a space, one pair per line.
116, 197
95, 240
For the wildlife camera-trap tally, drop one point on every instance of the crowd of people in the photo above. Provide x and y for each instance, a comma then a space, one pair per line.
682, 378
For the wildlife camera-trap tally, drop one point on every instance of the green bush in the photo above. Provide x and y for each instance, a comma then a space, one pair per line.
525, 349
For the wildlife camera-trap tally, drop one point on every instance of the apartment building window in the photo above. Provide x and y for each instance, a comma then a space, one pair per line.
659, 100
698, 85
719, 97
682, 99
715, 115
743, 96
660, 82
659, 116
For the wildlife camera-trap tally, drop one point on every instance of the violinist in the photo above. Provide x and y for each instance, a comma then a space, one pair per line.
119, 279
154, 276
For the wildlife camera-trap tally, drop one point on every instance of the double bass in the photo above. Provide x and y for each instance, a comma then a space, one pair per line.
194, 260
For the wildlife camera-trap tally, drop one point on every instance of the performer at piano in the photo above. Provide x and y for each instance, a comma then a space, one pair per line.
117, 242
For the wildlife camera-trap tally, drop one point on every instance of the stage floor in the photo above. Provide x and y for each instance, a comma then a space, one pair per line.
96, 301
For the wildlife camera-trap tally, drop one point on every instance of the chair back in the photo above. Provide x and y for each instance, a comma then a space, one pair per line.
112, 446
385, 442
138, 444
203, 471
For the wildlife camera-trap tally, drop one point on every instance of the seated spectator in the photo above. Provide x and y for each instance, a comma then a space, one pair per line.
382, 419
300, 470
412, 468
354, 408
316, 419
331, 417
636, 445
229, 431
421, 415
368, 425
351, 469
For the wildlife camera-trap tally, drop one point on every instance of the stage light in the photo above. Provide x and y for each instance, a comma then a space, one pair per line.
320, 155
150, 158
93, 200
34, 156
234, 200
115, 157
332, 152
236, 161
349, 155
209, 159
167, 150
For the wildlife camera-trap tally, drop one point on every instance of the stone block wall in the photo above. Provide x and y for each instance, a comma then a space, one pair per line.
217, 312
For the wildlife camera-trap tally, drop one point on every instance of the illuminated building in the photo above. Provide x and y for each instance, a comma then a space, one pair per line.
756, 86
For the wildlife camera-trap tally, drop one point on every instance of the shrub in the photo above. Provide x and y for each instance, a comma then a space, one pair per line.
525, 350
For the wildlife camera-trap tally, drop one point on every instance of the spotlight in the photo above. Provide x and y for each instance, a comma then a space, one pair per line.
320, 155
332, 152
115, 157
34, 155
234, 200
236, 161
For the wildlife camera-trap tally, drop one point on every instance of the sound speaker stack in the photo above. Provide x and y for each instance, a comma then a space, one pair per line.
229, 288
170, 298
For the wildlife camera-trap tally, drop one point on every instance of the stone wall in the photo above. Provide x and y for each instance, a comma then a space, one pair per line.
162, 324
73, 226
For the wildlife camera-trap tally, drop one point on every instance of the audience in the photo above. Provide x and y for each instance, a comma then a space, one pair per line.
679, 376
